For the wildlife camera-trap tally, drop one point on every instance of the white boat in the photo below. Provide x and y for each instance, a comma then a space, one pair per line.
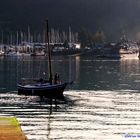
129, 53
121, 50
13, 54
42, 53
1, 53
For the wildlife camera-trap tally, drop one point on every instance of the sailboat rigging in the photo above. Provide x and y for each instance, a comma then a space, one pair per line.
46, 89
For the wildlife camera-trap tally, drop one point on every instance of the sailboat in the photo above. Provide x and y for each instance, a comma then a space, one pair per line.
43, 88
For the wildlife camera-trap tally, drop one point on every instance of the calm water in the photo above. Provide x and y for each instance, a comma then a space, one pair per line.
87, 73
103, 103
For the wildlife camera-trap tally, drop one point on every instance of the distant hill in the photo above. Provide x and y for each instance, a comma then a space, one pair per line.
114, 17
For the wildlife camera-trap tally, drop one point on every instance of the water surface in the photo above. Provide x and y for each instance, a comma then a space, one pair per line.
87, 115
87, 73
103, 103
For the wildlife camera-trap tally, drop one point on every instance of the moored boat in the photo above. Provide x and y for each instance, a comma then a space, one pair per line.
121, 50
45, 88
1, 53
54, 91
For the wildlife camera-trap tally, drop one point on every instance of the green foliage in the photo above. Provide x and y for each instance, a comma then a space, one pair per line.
99, 37
87, 38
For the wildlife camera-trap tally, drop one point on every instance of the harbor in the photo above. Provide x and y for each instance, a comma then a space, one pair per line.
124, 48
69, 70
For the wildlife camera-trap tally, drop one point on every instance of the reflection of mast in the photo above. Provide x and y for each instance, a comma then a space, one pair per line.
49, 128
70, 68
49, 122
77, 59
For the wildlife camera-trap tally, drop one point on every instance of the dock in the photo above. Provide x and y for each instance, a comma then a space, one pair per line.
10, 129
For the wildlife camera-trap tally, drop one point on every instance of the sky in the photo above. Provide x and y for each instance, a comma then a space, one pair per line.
114, 17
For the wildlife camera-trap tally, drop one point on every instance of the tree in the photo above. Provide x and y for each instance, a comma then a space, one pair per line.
99, 37
85, 38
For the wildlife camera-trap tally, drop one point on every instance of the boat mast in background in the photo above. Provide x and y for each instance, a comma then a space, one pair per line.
43, 88
49, 52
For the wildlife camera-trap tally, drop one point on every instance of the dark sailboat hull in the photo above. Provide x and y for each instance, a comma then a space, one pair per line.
43, 90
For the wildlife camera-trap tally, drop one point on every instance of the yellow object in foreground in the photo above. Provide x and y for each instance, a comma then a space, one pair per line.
10, 129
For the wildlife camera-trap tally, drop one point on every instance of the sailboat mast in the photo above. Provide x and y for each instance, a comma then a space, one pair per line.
49, 52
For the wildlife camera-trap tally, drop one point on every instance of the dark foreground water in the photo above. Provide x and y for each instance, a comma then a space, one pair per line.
103, 103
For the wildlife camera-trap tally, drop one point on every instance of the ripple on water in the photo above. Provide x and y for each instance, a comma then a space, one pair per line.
107, 115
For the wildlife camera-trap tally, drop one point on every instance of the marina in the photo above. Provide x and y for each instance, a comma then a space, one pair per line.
122, 49
69, 70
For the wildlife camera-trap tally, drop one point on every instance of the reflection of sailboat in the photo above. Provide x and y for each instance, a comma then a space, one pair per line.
44, 88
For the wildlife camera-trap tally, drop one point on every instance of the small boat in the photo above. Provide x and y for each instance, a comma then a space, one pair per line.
42, 53
45, 88
38, 50
1, 53
54, 91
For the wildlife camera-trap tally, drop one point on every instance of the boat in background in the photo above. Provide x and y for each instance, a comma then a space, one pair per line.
52, 89
122, 50
38, 49
1, 53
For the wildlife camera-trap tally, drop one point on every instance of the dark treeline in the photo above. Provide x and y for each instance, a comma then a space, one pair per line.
112, 16
87, 38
